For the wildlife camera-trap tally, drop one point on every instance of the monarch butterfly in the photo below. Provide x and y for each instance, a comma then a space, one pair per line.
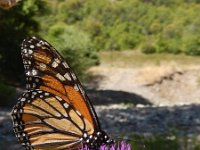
55, 113
6, 4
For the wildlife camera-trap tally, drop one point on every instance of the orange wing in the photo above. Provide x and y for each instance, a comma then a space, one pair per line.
55, 113
45, 121
46, 70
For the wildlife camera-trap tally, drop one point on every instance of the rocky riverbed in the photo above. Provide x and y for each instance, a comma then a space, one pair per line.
126, 105
120, 118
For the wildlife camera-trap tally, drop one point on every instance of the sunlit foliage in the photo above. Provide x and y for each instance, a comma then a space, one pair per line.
155, 25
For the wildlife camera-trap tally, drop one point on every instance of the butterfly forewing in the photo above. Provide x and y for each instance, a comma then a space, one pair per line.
55, 113
45, 69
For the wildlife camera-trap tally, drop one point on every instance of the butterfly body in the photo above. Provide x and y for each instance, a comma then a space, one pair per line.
55, 113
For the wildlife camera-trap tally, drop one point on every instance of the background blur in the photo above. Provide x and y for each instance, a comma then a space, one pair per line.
138, 59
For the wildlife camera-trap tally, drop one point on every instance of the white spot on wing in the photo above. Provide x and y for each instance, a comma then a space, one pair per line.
54, 64
78, 113
66, 105
15, 111
23, 99
73, 75
85, 135
76, 87
65, 65
34, 72
38, 45
28, 73
57, 60
59, 76
29, 62
41, 42
46, 94
30, 51
26, 67
47, 43
32, 46
60, 99
43, 66
34, 93
66, 75
25, 62
24, 50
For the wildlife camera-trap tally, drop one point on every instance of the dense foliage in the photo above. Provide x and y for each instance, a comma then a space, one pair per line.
75, 45
148, 25
78, 28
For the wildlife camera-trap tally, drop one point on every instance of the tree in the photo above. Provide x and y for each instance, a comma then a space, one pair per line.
15, 25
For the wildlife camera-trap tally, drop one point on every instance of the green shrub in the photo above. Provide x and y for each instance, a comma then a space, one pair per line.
161, 45
75, 46
148, 48
174, 47
192, 46
123, 25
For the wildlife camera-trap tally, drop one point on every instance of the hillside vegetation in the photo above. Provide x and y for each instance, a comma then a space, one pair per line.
153, 26
81, 28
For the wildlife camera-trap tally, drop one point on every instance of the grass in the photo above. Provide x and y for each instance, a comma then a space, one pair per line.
137, 59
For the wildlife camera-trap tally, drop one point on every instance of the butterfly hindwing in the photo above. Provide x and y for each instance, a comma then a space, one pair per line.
39, 112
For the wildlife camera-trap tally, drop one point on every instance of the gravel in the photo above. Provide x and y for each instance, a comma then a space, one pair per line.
126, 106
120, 118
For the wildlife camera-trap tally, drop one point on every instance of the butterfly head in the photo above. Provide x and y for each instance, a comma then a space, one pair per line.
96, 140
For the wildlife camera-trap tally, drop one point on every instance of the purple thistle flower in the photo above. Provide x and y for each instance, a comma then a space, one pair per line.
121, 146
